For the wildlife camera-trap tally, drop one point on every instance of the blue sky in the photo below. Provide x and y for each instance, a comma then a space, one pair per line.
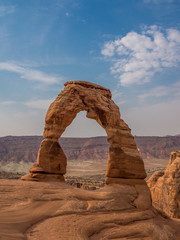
131, 47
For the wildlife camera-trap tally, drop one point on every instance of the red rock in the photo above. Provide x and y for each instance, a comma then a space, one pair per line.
165, 187
124, 160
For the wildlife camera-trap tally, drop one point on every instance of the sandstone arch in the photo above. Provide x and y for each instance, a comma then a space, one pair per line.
124, 160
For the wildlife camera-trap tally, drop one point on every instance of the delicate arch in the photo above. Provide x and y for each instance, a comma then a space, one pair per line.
124, 160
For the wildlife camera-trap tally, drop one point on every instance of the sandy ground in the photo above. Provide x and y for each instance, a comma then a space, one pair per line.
155, 163
88, 168
84, 168
56, 211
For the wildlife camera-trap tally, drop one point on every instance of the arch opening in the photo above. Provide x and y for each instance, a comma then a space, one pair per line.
85, 145
83, 127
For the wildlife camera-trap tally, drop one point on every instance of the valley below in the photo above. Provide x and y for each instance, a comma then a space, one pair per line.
85, 156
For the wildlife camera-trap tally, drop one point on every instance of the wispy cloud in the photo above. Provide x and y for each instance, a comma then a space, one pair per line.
39, 104
29, 73
172, 91
137, 57
4, 10
8, 102
42, 104
158, 1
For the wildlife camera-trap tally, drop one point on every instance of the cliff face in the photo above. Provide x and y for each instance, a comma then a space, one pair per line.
157, 147
16, 149
85, 148
25, 148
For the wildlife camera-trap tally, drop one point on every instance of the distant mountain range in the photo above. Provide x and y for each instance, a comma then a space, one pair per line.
25, 148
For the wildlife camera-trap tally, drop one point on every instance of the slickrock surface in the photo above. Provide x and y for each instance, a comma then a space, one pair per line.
124, 160
41, 210
165, 187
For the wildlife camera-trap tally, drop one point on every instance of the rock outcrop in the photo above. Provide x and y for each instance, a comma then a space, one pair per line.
165, 187
124, 160
55, 210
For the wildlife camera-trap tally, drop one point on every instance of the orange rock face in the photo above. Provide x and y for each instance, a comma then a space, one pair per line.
165, 187
124, 160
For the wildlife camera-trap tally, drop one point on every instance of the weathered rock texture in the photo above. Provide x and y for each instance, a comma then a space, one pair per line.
124, 160
57, 211
165, 187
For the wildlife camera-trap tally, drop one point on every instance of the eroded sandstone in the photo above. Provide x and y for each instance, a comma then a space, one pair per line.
55, 210
165, 187
124, 160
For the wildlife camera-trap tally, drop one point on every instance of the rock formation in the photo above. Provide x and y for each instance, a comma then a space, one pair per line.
165, 187
55, 210
124, 160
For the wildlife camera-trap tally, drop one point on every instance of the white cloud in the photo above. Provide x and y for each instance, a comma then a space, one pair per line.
39, 104
108, 49
29, 73
173, 91
137, 57
6, 10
